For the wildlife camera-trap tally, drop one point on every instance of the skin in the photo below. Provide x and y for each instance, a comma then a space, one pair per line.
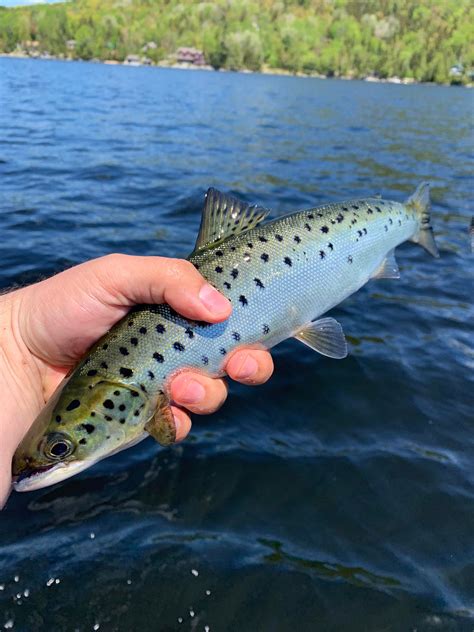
46, 328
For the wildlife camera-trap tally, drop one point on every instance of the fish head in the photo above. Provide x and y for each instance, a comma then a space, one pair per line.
82, 423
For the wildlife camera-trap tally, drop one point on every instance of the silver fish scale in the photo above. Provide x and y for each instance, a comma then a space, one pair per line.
278, 276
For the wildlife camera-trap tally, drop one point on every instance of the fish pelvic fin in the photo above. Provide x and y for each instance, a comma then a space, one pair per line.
161, 426
324, 336
420, 202
224, 216
388, 269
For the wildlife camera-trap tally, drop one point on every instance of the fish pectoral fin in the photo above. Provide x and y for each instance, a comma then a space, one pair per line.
224, 216
388, 269
324, 336
161, 426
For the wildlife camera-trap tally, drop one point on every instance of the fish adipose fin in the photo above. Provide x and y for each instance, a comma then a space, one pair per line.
224, 216
161, 426
324, 336
421, 204
388, 269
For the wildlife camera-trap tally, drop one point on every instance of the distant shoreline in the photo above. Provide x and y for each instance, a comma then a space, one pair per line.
263, 71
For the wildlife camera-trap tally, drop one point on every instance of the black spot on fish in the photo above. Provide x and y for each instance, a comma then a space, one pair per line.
350, 259
107, 418
227, 285
196, 265
219, 253
136, 413
134, 341
308, 227
160, 328
130, 323
58, 418
91, 373
89, 428
122, 407
105, 347
189, 332
86, 361
236, 335
310, 216
250, 245
330, 246
369, 211
324, 229
266, 329
142, 330
123, 350
122, 420
287, 260
399, 222
379, 210
360, 233
322, 254
218, 269
344, 208
235, 273
109, 404
354, 221
355, 207
243, 300
365, 231
259, 284
151, 375
75, 403
125, 372
390, 221
297, 239
83, 441
278, 237
222, 351
158, 357
382, 202
134, 393
205, 360
178, 346
262, 239
104, 365
385, 227
264, 257
143, 388
92, 414
116, 393
340, 218
232, 248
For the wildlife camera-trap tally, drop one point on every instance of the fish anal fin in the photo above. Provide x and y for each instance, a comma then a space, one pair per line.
224, 216
388, 269
161, 426
324, 336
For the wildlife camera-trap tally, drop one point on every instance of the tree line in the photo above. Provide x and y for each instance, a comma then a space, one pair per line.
418, 39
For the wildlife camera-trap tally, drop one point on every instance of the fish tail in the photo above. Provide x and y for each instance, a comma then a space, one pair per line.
420, 202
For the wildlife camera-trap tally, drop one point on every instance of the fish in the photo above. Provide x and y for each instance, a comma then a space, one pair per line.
281, 277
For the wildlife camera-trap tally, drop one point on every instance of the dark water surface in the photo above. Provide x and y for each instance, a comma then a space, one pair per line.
340, 495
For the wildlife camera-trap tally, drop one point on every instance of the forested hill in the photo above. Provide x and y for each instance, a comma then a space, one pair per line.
419, 39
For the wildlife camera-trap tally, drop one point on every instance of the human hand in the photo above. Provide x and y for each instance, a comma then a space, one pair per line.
46, 328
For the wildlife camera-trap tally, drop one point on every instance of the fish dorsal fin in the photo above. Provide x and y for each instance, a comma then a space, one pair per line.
388, 269
324, 336
224, 216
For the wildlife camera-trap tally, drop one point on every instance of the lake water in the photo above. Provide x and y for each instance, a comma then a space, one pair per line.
339, 496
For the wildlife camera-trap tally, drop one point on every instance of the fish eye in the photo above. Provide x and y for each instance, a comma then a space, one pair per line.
57, 446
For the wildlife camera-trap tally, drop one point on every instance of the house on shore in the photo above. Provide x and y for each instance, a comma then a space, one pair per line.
189, 55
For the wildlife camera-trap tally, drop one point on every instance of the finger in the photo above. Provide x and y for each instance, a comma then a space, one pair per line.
250, 366
182, 423
84, 302
198, 393
161, 280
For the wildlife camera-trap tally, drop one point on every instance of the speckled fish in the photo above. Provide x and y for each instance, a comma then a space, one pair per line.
280, 276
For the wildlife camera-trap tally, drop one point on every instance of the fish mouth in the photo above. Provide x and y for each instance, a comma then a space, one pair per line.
36, 478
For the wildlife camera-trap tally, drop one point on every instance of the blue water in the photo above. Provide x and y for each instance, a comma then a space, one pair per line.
340, 495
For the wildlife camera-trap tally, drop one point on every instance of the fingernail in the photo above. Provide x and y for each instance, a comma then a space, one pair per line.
193, 393
213, 300
248, 368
